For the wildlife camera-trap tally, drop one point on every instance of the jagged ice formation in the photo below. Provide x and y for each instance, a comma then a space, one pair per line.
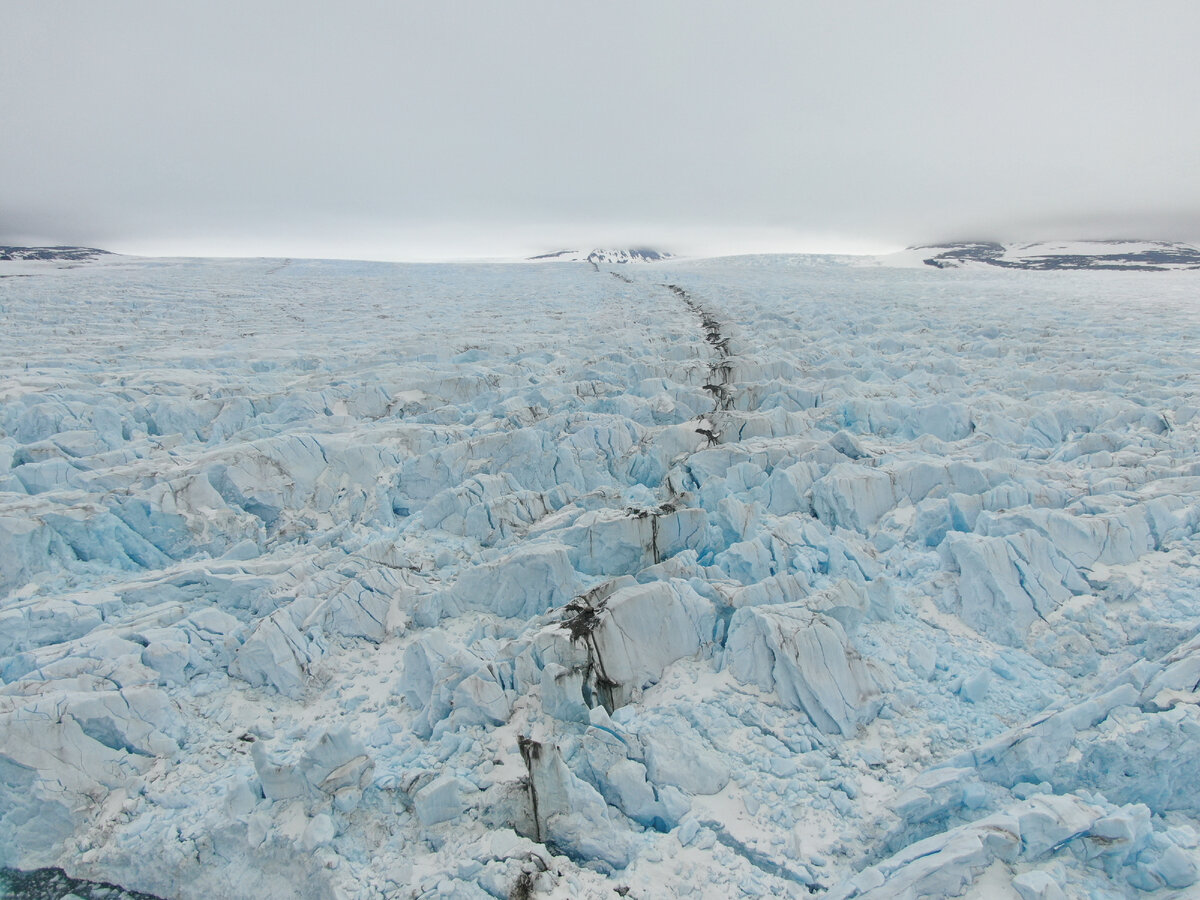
750, 577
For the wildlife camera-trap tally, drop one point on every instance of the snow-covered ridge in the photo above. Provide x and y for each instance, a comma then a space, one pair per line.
1042, 256
70, 254
606, 257
19, 262
724, 579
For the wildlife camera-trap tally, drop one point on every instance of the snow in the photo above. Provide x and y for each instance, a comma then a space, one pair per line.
756, 576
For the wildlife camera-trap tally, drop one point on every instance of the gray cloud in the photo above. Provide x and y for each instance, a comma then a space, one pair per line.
462, 128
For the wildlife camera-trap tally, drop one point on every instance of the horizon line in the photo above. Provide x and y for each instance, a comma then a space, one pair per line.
367, 255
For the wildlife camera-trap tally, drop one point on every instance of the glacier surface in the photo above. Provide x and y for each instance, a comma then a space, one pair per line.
763, 577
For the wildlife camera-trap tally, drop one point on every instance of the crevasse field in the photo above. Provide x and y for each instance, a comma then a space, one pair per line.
760, 577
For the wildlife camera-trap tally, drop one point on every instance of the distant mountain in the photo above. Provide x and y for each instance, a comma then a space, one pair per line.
560, 254
634, 254
607, 257
70, 254
1151, 256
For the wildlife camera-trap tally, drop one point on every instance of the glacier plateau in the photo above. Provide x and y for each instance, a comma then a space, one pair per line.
760, 576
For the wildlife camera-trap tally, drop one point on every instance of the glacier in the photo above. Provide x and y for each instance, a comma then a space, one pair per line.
767, 576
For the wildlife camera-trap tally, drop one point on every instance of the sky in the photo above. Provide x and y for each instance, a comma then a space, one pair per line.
407, 130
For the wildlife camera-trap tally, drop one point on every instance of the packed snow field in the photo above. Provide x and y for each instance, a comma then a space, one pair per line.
760, 577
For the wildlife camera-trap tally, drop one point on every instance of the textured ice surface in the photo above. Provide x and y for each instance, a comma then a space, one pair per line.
753, 577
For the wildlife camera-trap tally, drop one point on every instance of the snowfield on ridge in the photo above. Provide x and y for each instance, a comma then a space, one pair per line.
762, 576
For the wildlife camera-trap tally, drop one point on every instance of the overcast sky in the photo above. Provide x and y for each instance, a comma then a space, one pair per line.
417, 130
